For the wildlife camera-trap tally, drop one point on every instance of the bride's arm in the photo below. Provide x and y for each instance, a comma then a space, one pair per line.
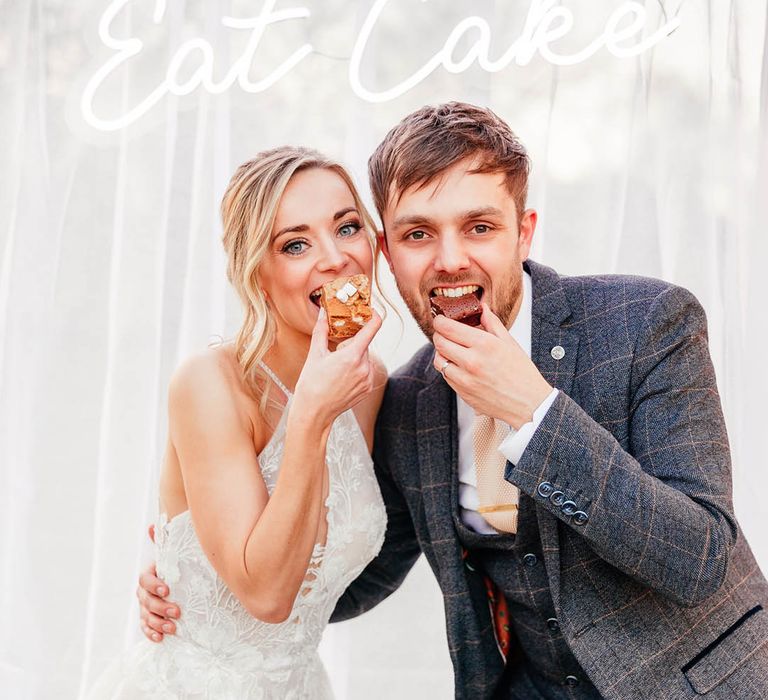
260, 545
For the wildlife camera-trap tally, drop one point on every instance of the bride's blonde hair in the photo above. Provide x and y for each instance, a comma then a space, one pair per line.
248, 212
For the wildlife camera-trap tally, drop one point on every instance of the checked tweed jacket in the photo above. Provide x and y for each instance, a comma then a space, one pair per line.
657, 593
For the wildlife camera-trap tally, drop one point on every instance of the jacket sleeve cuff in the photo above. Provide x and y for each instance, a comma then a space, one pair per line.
556, 469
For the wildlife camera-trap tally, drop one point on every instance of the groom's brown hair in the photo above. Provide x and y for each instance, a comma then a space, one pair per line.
432, 139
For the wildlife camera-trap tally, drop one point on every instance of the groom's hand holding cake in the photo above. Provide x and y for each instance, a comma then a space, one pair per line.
488, 368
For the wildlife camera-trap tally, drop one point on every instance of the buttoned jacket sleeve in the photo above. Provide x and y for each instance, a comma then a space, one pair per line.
658, 504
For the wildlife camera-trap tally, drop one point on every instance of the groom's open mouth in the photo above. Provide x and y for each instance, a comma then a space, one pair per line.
456, 292
458, 303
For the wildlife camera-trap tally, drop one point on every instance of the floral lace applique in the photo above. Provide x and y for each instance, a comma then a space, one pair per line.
219, 650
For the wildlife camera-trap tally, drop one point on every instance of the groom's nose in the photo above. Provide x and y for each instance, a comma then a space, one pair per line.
452, 255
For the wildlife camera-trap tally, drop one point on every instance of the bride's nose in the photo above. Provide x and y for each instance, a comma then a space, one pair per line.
332, 256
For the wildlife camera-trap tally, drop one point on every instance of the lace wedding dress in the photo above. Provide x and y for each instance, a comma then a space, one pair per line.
219, 651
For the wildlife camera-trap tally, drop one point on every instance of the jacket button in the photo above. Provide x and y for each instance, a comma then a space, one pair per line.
568, 508
553, 624
545, 489
580, 518
571, 681
530, 559
557, 498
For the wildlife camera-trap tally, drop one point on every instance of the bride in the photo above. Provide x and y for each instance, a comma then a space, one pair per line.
269, 506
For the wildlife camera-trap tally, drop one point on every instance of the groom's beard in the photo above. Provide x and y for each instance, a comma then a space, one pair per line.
503, 296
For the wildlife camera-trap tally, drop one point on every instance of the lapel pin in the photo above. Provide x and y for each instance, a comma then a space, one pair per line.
557, 352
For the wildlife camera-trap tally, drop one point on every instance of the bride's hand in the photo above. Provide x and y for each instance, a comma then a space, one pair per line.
332, 382
155, 610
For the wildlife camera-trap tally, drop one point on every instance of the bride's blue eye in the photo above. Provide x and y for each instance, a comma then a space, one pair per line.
349, 229
294, 247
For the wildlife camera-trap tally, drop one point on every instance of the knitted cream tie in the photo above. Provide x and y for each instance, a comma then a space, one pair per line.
498, 498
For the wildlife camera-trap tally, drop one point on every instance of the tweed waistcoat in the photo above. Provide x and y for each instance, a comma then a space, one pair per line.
515, 563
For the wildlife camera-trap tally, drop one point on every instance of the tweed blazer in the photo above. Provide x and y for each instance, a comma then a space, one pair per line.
657, 593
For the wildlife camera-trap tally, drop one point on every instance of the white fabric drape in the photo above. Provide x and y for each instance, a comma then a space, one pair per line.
111, 268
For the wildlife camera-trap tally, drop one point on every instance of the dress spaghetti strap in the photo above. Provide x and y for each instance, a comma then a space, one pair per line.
274, 378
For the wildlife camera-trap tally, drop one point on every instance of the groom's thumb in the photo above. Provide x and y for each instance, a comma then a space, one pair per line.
491, 322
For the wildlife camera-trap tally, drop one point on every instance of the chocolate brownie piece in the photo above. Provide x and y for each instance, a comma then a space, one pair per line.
464, 309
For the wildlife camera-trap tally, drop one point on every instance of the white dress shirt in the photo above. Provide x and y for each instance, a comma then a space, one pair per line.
513, 446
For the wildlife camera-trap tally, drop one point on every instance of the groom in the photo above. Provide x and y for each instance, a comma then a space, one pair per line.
585, 543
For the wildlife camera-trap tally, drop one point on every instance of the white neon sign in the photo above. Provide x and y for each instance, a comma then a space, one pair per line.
546, 22
202, 77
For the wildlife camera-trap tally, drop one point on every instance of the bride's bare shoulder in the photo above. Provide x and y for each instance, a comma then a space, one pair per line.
213, 376
212, 365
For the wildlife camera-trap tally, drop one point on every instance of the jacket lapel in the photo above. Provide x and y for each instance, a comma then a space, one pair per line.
437, 439
470, 635
549, 331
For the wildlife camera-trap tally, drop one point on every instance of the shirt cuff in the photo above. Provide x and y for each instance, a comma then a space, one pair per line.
513, 446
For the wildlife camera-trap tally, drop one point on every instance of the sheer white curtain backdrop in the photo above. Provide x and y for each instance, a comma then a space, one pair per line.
111, 267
